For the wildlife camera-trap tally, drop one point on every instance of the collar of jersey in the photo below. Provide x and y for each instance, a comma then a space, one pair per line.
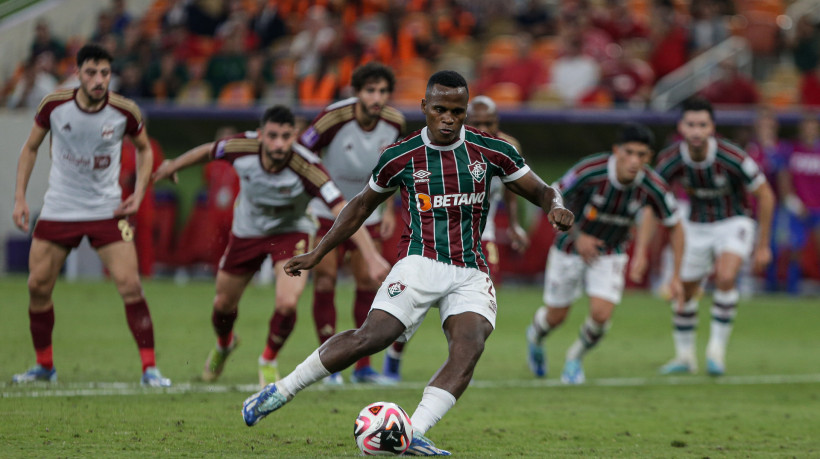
711, 152
429, 144
613, 175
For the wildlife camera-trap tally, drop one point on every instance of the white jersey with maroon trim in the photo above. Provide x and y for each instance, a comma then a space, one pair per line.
348, 151
274, 202
83, 183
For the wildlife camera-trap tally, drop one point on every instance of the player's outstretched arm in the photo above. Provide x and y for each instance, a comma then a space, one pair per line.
347, 223
531, 187
168, 169
28, 156
145, 162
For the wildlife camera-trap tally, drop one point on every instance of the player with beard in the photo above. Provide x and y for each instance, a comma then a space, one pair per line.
278, 178
349, 135
84, 199
720, 234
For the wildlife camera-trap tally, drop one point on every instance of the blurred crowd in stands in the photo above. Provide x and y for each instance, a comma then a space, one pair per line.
599, 53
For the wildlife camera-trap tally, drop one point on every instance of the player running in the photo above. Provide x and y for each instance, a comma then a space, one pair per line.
720, 235
349, 136
606, 191
443, 173
278, 178
84, 199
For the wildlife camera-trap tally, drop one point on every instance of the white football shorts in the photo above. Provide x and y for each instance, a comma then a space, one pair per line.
567, 274
706, 241
416, 283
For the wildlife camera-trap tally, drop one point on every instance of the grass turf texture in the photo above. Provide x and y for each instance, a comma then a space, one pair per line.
646, 416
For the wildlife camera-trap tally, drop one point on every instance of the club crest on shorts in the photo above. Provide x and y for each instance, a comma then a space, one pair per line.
477, 170
395, 289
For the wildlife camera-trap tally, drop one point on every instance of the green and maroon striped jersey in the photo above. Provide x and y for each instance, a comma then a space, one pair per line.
717, 185
445, 192
605, 208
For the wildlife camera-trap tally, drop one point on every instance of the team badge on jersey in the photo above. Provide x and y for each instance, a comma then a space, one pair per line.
107, 131
477, 170
395, 289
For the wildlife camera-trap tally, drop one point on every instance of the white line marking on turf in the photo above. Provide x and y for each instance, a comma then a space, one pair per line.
120, 388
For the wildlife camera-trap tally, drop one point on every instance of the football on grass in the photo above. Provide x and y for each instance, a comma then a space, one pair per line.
383, 429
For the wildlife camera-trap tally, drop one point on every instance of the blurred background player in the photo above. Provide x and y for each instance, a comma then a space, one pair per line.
720, 234
482, 115
798, 182
439, 268
350, 135
278, 179
606, 192
84, 199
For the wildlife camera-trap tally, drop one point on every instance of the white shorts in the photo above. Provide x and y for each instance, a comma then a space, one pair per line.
416, 283
706, 241
568, 273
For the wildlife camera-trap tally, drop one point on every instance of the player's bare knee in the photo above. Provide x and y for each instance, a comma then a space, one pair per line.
130, 288
323, 282
286, 304
600, 317
39, 290
225, 303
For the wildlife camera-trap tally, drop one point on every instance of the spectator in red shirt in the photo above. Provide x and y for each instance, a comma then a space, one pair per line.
669, 40
731, 87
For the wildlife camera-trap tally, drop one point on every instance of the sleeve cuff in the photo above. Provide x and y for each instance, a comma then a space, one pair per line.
515, 175
755, 184
375, 187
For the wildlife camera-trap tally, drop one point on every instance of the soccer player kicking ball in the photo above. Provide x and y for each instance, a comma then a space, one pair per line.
607, 191
278, 178
350, 135
720, 235
444, 173
84, 199
482, 114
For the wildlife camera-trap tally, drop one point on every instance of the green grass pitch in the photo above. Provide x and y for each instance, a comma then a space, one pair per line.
767, 405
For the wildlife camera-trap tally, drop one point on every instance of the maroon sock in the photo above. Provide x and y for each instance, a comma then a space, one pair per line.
324, 315
280, 328
223, 326
361, 307
139, 321
398, 347
41, 325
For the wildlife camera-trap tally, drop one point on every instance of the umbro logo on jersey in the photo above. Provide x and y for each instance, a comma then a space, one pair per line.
425, 202
395, 289
477, 170
67, 127
421, 176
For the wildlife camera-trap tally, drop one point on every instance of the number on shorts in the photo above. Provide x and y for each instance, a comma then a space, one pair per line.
299, 249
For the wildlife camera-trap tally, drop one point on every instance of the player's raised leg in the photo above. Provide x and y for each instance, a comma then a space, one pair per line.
288, 291
229, 290
120, 258
324, 305
339, 352
45, 261
366, 289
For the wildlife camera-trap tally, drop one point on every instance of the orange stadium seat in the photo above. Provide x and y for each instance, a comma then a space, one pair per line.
236, 94
546, 49
315, 92
505, 94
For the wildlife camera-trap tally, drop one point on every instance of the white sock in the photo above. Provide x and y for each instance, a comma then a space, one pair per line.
392, 353
718, 340
435, 403
723, 315
305, 374
685, 323
591, 332
539, 328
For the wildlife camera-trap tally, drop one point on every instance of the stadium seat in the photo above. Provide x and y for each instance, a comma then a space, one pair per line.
317, 93
195, 93
236, 94
505, 94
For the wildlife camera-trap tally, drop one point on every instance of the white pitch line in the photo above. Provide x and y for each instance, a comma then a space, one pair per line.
39, 390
